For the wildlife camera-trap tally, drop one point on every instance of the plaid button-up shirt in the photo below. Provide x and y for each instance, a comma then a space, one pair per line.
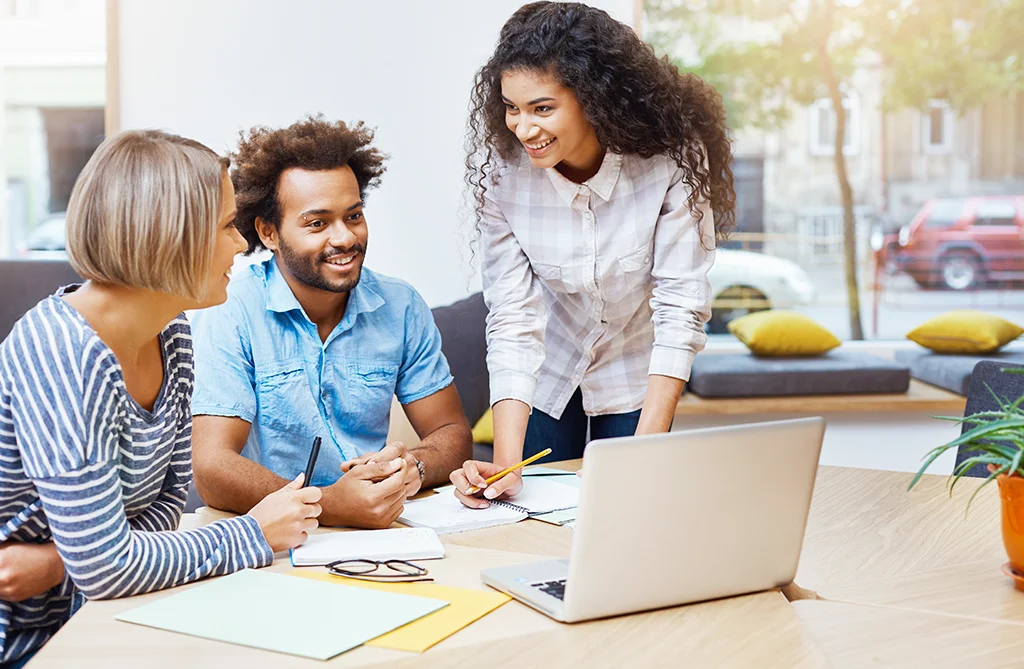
594, 285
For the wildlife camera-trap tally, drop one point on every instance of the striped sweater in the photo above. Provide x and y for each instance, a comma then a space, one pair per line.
85, 466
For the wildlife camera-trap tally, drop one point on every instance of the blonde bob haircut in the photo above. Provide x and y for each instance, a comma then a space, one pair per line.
144, 213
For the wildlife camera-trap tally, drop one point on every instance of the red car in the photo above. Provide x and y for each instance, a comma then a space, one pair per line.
963, 243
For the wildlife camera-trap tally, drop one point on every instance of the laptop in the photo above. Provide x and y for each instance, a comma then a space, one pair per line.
675, 518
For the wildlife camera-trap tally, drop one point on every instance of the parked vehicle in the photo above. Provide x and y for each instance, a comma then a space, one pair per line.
48, 239
963, 243
743, 282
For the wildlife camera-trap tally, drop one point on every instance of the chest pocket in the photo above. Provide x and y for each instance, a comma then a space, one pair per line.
635, 269
566, 280
371, 385
284, 402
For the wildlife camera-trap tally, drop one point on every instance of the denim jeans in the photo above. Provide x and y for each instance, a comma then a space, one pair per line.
567, 436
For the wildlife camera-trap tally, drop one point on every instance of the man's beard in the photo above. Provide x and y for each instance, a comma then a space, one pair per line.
306, 269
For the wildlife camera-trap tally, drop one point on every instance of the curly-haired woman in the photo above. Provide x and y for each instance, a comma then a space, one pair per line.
601, 178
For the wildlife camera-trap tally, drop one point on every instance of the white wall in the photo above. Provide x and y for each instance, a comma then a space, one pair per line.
208, 69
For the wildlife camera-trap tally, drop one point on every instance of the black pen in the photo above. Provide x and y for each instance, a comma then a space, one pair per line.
311, 464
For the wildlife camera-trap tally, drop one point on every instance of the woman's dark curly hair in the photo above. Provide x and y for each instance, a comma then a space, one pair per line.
638, 104
311, 144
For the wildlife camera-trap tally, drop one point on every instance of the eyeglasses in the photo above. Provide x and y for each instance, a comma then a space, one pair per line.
395, 571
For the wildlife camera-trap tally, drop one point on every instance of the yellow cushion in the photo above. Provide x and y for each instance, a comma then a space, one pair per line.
483, 431
965, 331
782, 333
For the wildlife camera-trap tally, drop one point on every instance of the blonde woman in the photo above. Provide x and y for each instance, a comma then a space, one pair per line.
95, 391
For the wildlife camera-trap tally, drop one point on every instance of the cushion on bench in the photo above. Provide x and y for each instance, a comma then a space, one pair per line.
835, 373
950, 371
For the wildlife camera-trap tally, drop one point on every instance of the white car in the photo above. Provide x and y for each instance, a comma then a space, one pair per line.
743, 282
47, 240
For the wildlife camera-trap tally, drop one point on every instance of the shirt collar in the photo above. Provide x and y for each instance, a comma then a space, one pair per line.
280, 297
364, 298
602, 183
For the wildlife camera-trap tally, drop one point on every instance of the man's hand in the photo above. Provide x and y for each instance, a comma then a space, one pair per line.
27, 570
395, 449
474, 473
369, 495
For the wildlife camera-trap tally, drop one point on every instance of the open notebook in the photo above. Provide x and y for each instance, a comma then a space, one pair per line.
446, 514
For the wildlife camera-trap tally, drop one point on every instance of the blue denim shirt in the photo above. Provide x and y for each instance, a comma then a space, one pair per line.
258, 357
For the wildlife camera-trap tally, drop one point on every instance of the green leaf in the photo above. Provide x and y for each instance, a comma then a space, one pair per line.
929, 459
962, 468
1015, 465
1015, 424
992, 477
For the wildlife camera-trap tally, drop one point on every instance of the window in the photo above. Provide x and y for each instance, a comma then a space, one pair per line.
996, 213
52, 65
946, 213
937, 127
931, 170
822, 126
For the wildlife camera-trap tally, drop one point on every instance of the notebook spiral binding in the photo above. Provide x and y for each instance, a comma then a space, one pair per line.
510, 505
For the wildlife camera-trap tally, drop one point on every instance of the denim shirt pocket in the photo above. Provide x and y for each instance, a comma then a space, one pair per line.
371, 385
281, 392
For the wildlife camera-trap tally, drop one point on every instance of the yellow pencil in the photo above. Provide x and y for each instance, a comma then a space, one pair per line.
533, 458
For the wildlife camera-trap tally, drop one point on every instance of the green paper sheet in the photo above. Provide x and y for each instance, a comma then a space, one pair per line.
263, 609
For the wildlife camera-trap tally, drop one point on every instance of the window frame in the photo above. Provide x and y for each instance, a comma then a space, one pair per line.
851, 102
946, 146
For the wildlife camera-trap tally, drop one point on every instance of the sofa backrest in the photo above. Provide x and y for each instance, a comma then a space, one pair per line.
463, 327
987, 378
24, 283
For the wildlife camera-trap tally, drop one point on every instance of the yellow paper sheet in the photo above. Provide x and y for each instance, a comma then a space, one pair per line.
465, 607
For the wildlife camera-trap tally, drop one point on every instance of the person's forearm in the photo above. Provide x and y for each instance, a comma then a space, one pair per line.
54, 565
443, 451
28, 570
659, 404
510, 420
228, 481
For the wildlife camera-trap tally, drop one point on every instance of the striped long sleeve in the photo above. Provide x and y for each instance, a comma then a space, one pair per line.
164, 513
106, 558
111, 477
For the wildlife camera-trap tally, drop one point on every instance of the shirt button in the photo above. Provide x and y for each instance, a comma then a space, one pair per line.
647, 259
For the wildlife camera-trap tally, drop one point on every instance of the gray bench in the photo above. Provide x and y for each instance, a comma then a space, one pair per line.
834, 373
952, 372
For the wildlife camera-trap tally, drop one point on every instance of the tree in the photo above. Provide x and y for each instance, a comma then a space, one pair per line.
766, 55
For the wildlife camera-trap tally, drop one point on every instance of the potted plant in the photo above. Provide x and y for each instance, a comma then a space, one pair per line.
997, 438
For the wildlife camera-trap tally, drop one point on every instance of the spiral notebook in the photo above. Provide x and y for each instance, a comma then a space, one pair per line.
445, 514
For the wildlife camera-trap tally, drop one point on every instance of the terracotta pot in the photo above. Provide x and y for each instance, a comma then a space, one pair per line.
1011, 493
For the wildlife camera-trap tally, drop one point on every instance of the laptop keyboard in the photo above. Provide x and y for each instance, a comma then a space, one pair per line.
554, 588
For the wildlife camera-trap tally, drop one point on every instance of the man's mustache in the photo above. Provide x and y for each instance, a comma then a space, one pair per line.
335, 252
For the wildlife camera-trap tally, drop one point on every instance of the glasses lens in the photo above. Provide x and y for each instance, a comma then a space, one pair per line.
354, 566
405, 568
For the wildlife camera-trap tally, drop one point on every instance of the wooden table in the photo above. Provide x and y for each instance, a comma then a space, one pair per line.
855, 637
887, 578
